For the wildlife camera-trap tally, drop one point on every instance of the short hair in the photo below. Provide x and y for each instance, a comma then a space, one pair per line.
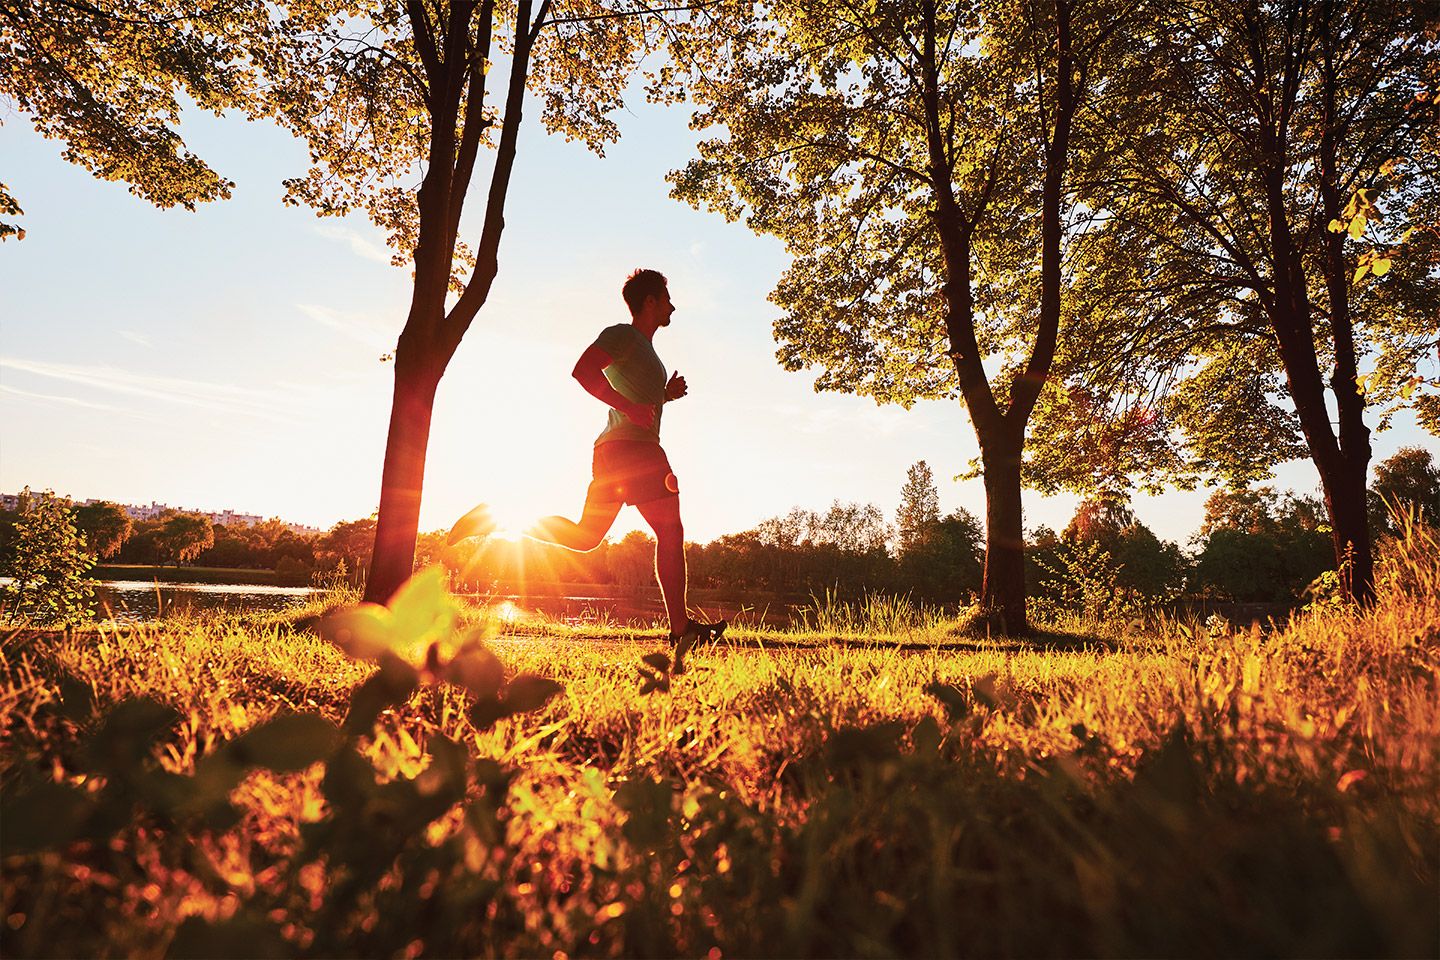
642, 285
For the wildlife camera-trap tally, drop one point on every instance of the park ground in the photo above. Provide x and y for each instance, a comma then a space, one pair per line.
888, 782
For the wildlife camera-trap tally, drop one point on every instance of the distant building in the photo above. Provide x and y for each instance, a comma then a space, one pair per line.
154, 510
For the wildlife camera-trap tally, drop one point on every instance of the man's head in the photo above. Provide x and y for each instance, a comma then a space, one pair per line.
647, 294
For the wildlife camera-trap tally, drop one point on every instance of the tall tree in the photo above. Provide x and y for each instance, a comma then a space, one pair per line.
1263, 133
919, 507
398, 104
914, 157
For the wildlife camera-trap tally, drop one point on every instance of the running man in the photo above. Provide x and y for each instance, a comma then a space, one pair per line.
621, 370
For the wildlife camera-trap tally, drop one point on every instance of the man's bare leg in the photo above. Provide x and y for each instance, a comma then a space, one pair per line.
595, 522
663, 515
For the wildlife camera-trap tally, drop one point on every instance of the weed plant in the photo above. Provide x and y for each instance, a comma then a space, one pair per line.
879, 783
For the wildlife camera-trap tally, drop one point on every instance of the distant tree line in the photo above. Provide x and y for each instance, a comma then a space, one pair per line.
1255, 545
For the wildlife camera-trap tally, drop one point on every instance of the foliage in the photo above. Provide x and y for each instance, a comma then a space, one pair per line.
632, 560
106, 527
183, 537
1256, 545
349, 542
805, 550
48, 564
1409, 481
1254, 146
1105, 565
916, 160
1147, 793
919, 507
107, 78
946, 561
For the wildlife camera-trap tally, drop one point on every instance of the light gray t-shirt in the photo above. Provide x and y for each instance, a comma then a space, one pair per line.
636, 373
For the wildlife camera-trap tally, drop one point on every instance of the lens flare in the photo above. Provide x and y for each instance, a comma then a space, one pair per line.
510, 524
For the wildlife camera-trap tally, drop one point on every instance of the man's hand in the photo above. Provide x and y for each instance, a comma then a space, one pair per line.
641, 414
676, 388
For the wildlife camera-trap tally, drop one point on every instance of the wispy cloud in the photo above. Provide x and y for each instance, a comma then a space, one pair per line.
360, 245
364, 329
869, 420
55, 398
178, 390
134, 337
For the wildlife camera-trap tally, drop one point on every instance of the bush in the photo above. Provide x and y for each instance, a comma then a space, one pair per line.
49, 564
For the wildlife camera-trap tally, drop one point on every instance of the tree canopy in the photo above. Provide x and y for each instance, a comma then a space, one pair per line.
109, 78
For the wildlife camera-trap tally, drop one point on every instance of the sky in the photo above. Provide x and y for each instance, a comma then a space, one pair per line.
231, 357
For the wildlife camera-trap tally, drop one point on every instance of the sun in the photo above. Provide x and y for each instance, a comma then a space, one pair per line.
510, 524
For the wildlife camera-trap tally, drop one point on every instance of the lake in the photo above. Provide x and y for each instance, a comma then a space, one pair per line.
139, 601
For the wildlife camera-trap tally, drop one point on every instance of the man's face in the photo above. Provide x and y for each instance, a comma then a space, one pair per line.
662, 307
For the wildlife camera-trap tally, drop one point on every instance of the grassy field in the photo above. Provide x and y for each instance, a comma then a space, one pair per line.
885, 783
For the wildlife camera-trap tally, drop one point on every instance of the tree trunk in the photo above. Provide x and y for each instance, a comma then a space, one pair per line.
1002, 595
1350, 528
398, 522
1344, 481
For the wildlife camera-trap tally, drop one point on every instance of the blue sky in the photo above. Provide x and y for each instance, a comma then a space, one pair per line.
230, 357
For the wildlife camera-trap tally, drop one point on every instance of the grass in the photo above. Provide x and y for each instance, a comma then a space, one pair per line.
880, 783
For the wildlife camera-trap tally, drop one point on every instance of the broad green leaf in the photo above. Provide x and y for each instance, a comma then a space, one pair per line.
530, 692
287, 744
422, 606
363, 631
478, 670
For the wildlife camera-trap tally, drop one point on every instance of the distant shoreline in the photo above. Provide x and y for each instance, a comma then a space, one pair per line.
182, 574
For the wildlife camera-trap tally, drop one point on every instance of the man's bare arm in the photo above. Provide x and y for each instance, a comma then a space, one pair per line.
590, 372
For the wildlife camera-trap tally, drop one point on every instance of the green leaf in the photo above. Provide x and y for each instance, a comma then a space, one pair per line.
530, 692
286, 744
46, 817
392, 684
484, 714
128, 734
363, 631
926, 736
239, 937
478, 670
952, 699
422, 606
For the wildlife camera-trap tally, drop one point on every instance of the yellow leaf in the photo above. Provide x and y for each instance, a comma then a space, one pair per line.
1357, 228
422, 605
1360, 272
362, 631
1380, 266
1336, 227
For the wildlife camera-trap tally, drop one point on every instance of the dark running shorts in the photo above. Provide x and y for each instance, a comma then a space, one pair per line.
631, 471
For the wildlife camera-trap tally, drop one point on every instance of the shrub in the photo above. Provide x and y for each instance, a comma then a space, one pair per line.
49, 564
